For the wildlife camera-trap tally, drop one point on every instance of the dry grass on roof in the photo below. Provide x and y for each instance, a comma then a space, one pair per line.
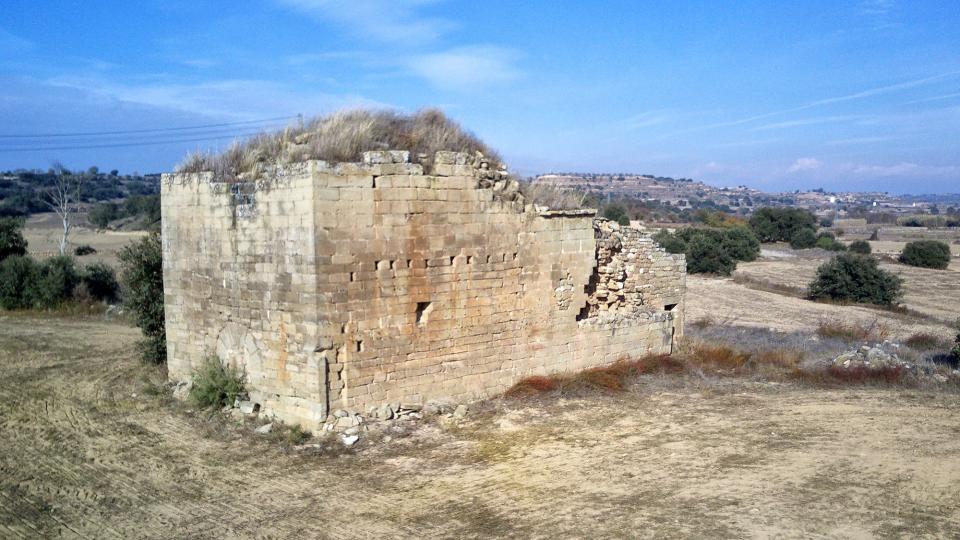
342, 137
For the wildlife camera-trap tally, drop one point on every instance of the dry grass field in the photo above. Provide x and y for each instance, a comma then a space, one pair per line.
768, 293
43, 232
93, 446
90, 447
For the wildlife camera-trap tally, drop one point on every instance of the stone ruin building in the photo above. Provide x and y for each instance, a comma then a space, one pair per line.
354, 285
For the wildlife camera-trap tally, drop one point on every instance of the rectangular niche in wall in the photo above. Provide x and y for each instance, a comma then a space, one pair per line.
423, 312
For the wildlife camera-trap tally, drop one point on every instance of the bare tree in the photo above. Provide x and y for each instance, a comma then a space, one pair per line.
64, 199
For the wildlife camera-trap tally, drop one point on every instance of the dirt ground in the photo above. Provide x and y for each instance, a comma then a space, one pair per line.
90, 449
43, 232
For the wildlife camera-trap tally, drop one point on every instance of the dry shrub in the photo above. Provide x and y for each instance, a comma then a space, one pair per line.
926, 342
546, 194
342, 137
718, 358
872, 331
611, 378
859, 375
529, 386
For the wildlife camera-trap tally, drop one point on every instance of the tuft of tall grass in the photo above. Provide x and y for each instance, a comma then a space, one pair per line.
872, 331
924, 341
342, 137
551, 196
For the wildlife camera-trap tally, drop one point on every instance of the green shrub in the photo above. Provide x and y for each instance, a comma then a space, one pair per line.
141, 273
711, 250
58, 278
926, 254
80, 251
18, 282
956, 349
102, 214
672, 243
741, 244
829, 243
706, 256
216, 385
101, 282
781, 224
12, 242
855, 278
803, 239
861, 247
615, 212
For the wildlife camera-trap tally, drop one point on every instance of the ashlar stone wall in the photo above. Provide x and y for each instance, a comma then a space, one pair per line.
360, 284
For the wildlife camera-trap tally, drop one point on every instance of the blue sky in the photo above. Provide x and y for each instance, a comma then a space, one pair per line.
851, 95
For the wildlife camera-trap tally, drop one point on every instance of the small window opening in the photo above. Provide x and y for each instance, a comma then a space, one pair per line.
669, 307
359, 345
470, 259
423, 312
353, 276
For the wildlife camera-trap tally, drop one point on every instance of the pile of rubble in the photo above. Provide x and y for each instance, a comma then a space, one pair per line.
349, 426
880, 356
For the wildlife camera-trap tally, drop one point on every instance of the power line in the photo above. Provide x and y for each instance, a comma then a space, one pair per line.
123, 145
144, 137
154, 130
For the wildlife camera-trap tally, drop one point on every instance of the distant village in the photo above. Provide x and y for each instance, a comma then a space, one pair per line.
684, 193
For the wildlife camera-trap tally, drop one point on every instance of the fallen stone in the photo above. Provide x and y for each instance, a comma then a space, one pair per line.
345, 421
385, 412
355, 430
939, 378
264, 429
249, 407
182, 390
460, 412
350, 440
340, 413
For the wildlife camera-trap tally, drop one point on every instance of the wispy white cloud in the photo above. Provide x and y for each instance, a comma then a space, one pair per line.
806, 122
876, 7
831, 100
391, 21
200, 63
805, 164
934, 98
880, 13
240, 99
906, 169
322, 57
850, 141
647, 119
466, 68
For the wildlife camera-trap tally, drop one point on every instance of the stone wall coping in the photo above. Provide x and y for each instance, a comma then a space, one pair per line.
547, 212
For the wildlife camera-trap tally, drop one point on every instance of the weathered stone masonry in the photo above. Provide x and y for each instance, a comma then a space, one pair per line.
357, 284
